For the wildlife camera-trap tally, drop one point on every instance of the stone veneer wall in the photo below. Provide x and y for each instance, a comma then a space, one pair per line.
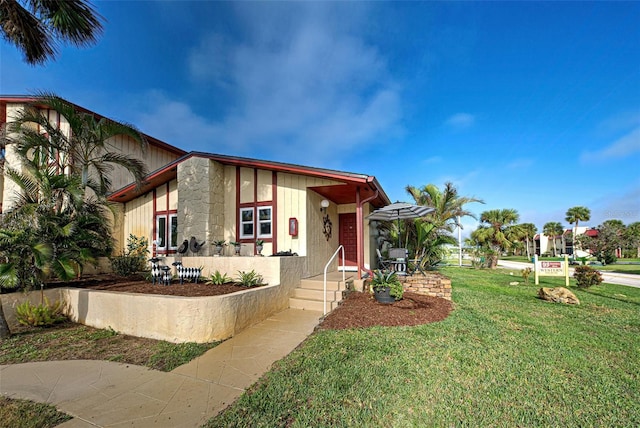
432, 284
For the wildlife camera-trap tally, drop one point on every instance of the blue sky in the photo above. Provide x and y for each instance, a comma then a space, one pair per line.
533, 106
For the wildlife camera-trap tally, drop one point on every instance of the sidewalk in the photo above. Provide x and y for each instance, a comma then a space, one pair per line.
107, 394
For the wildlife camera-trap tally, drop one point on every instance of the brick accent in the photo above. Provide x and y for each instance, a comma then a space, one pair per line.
432, 284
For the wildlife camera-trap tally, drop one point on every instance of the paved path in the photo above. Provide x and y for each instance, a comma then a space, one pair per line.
627, 279
108, 394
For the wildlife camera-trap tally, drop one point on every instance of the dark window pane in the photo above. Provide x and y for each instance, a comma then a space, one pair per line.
247, 229
162, 232
265, 214
174, 231
247, 215
265, 228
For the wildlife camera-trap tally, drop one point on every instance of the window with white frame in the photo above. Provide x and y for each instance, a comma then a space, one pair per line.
246, 223
166, 232
256, 222
264, 222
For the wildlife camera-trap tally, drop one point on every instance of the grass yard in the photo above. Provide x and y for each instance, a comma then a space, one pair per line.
502, 358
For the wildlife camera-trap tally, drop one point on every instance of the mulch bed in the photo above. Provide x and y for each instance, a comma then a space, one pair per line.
361, 310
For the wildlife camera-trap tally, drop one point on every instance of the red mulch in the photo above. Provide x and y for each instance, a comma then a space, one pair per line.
357, 311
361, 310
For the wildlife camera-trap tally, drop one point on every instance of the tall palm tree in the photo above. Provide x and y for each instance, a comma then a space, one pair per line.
576, 215
553, 229
35, 26
447, 204
85, 150
494, 232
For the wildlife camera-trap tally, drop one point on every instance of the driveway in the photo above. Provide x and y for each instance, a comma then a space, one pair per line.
627, 279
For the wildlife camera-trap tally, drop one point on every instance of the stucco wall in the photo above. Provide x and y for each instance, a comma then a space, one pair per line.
172, 318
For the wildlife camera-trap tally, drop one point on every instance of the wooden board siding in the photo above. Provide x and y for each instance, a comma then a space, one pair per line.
264, 186
138, 218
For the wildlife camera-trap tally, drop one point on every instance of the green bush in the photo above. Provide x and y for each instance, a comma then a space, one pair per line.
134, 258
586, 276
526, 272
40, 315
249, 279
218, 278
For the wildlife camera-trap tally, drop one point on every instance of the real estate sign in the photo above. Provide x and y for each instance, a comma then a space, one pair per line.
551, 268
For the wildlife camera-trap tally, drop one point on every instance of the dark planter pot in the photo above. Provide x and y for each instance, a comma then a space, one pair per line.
382, 295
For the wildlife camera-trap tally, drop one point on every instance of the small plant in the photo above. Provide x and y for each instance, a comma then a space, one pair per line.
134, 257
220, 243
218, 278
586, 276
526, 272
382, 279
249, 279
259, 242
43, 314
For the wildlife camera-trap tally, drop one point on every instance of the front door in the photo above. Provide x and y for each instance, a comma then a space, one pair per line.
348, 238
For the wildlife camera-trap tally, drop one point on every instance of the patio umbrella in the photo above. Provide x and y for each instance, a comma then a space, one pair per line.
399, 211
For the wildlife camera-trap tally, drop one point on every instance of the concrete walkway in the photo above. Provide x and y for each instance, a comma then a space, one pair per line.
107, 394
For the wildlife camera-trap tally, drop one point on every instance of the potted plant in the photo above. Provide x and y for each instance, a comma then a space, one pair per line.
236, 246
219, 246
386, 286
259, 246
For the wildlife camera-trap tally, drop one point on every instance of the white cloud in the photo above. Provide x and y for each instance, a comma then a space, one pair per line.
625, 146
433, 160
298, 83
460, 120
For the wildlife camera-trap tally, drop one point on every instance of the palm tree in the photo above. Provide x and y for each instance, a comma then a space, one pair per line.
529, 231
447, 204
553, 229
575, 215
494, 232
85, 150
34, 26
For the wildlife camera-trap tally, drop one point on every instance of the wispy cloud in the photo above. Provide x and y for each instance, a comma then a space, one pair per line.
623, 147
460, 120
299, 84
433, 160
522, 163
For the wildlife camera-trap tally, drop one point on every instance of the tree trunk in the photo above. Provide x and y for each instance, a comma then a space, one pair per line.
528, 252
4, 327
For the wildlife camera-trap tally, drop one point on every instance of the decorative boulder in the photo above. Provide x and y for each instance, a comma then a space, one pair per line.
558, 295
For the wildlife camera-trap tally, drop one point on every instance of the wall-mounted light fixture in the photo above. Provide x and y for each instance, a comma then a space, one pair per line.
324, 205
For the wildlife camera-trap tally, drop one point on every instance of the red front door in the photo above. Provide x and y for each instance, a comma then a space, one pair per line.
348, 238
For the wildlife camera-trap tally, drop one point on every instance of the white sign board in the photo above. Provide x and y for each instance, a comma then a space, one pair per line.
551, 268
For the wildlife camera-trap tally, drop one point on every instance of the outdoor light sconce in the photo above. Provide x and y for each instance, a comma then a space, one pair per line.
326, 221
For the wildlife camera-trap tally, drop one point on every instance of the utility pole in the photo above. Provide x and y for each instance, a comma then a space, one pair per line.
459, 242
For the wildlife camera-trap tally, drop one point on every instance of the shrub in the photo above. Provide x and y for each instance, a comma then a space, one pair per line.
218, 278
43, 314
249, 279
134, 257
526, 272
586, 276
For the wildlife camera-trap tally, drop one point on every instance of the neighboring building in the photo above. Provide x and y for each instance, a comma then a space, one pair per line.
563, 243
214, 197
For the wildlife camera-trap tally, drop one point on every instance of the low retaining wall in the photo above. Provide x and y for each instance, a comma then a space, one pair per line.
432, 284
174, 318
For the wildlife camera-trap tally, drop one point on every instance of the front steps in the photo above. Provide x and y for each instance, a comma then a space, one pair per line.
308, 295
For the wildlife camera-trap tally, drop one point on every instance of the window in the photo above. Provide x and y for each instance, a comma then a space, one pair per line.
252, 226
166, 232
246, 223
264, 222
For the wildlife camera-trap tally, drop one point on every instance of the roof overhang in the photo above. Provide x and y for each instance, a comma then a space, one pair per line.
343, 193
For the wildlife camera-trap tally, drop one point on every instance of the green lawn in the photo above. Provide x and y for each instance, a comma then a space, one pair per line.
502, 358
620, 267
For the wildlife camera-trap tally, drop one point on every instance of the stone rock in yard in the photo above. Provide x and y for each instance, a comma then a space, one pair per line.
558, 295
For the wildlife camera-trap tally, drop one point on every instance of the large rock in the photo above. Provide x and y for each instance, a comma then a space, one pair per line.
558, 295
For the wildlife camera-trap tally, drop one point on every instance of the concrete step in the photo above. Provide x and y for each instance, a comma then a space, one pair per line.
310, 294
314, 284
311, 305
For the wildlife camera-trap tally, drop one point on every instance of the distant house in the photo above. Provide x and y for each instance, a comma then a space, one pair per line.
563, 243
292, 208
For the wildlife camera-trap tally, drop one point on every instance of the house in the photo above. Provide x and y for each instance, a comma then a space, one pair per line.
563, 243
292, 208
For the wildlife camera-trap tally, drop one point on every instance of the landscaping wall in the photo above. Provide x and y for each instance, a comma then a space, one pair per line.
432, 284
174, 318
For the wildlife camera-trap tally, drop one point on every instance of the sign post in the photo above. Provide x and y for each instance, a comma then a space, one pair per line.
553, 268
